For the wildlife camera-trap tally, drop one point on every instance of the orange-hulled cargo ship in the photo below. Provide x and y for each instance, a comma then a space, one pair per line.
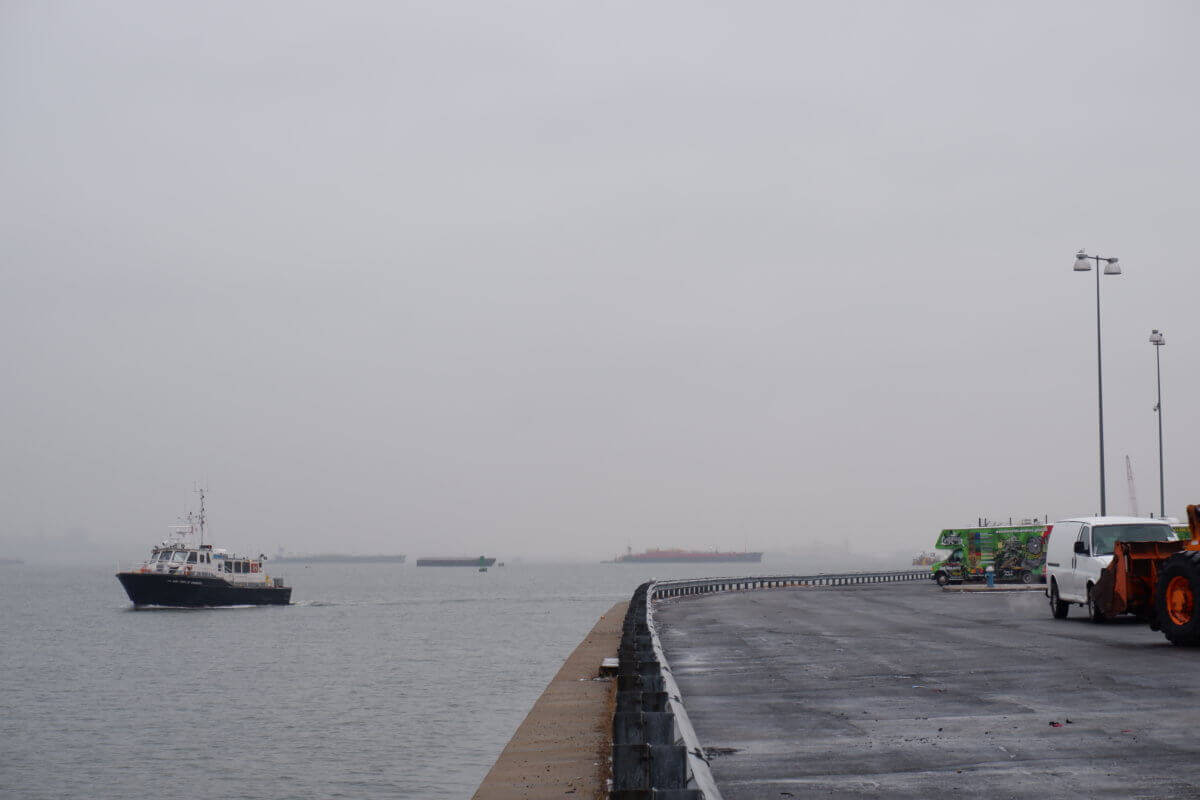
657, 556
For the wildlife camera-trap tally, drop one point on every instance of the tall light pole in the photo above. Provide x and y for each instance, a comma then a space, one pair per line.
1158, 340
1111, 267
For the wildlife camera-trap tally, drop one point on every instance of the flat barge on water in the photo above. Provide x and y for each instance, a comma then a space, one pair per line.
481, 562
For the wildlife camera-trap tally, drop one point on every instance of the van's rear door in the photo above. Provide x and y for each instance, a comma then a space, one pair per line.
1060, 555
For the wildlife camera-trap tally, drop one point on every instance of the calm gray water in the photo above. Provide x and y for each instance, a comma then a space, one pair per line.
380, 681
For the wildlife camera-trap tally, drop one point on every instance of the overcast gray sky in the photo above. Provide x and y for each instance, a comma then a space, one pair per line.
550, 279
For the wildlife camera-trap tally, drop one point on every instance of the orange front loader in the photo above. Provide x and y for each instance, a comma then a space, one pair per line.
1158, 582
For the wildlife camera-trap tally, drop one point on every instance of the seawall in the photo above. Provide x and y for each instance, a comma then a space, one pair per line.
562, 747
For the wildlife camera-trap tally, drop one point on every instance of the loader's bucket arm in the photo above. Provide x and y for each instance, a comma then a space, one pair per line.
1126, 585
1193, 512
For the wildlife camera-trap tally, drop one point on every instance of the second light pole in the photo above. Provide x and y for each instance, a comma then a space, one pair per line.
1158, 340
1083, 263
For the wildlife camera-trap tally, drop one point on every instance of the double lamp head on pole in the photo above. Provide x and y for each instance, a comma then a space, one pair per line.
1083, 263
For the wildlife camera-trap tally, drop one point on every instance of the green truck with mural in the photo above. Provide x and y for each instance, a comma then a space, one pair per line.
1016, 553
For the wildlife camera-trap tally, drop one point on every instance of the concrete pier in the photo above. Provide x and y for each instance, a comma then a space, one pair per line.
562, 748
905, 691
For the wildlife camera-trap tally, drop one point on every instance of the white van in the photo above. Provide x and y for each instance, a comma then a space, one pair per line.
1077, 550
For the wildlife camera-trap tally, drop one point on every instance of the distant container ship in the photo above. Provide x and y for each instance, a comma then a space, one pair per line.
335, 558
657, 556
481, 561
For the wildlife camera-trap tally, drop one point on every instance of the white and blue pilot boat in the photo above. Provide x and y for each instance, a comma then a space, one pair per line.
184, 570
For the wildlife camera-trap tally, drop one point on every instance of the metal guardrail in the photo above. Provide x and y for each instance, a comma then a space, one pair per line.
650, 755
656, 753
697, 760
664, 589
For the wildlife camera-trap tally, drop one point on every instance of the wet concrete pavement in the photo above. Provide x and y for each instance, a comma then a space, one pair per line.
904, 691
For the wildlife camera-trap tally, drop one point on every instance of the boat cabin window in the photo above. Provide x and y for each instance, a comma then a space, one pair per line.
229, 566
179, 556
192, 557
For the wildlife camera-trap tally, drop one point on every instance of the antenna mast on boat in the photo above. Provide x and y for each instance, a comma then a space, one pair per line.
203, 518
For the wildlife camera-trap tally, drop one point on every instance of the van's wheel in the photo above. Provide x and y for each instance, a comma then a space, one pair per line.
1057, 607
1093, 610
942, 579
1175, 598
1026, 577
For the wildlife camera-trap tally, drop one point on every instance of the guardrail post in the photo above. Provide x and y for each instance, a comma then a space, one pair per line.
639, 727
668, 766
658, 727
650, 767
631, 766
654, 701
628, 728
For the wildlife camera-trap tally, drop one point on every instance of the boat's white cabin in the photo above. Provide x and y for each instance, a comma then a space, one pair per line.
205, 560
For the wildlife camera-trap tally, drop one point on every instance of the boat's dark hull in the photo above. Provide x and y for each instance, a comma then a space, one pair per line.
455, 562
190, 591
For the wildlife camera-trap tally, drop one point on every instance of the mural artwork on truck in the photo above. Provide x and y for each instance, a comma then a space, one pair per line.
1017, 553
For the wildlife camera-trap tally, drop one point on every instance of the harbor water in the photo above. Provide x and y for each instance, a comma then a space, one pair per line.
379, 681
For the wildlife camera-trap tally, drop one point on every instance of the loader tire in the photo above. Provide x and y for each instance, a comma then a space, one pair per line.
1058, 608
1177, 598
1093, 608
